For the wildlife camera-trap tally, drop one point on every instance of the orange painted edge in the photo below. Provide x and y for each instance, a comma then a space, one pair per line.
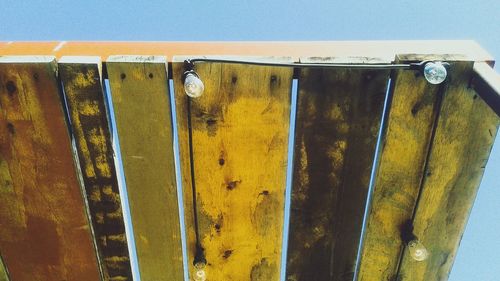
378, 49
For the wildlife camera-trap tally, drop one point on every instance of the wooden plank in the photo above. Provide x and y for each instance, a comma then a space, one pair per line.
382, 49
139, 88
44, 233
239, 136
82, 81
338, 120
486, 82
4, 276
397, 182
464, 136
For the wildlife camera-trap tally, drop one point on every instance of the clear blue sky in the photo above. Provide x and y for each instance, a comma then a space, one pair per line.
195, 20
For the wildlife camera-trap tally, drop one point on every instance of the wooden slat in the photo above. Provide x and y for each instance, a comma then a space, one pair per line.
3, 271
239, 140
44, 233
139, 88
338, 119
464, 136
82, 81
397, 182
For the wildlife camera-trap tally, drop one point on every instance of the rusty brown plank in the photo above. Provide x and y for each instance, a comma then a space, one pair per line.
44, 233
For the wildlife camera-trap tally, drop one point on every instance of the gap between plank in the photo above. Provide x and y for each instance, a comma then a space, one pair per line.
376, 160
177, 164
122, 186
289, 176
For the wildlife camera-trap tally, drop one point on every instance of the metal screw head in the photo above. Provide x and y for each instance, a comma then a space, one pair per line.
435, 72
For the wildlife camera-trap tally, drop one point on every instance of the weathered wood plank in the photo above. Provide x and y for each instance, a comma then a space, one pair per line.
4, 276
44, 233
397, 182
139, 88
82, 82
239, 135
338, 119
464, 136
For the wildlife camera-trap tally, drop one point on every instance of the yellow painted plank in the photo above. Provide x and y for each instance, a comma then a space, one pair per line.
338, 120
239, 135
464, 136
82, 82
397, 182
44, 233
139, 88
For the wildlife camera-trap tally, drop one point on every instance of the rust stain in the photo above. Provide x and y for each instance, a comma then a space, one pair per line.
42, 234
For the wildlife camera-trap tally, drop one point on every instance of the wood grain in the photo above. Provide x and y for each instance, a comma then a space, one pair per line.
139, 88
239, 135
397, 182
338, 120
3, 271
44, 233
85, 99
464, 136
